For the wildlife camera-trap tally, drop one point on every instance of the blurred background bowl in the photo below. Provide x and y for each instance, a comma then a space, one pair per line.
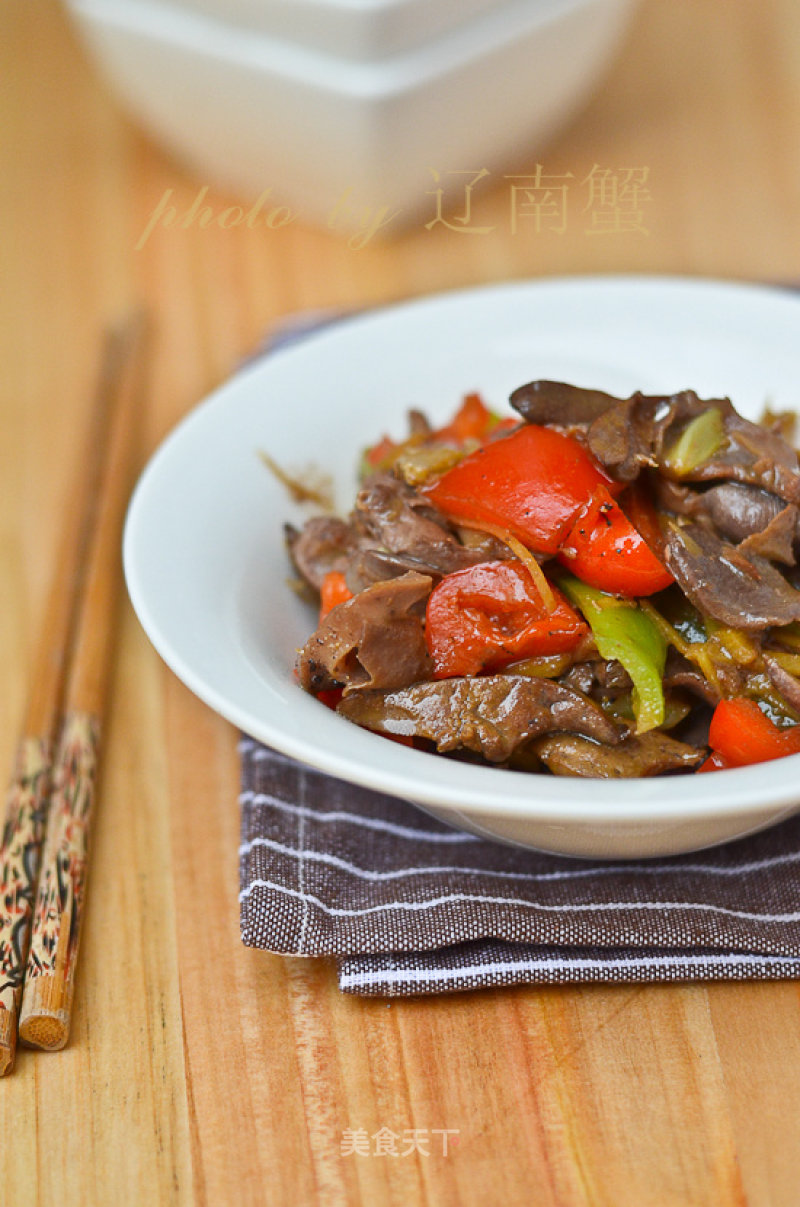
351, 29
246, 110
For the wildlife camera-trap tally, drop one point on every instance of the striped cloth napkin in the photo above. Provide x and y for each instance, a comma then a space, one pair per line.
407, 906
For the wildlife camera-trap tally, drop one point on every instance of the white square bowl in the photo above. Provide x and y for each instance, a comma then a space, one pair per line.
351, 29
248, 112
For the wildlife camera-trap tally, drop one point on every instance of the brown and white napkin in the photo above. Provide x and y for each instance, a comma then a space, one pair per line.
406, 905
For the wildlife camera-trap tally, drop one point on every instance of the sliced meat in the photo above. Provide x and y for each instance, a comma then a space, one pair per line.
324, 543
652, 753
370, 565
608, 679
680, 672
392, 517
393, 514
786, 684
491, 715
374, 640
559, 404
738, 511
580, 677
742, 592
679, 499
775, 542
628, 436
392, 531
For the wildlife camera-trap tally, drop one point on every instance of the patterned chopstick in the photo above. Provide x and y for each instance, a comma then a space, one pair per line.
70, 671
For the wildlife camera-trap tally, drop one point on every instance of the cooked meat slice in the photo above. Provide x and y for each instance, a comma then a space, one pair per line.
369, 565
324, 543
392, 531
596, 677
624, 434
374, 640
680, 672
775, 542
742, 592
580, 677
491, 715
393, 517
679, 499
785, 683
562, 405
627, 437
650, 753
736, 510
740, 512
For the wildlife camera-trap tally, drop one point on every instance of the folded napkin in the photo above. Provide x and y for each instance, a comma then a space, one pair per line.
408, 906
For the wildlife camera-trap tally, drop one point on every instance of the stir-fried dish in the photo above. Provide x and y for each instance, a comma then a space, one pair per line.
596, 586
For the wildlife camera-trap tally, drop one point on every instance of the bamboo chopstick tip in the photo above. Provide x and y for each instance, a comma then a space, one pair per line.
46, 1031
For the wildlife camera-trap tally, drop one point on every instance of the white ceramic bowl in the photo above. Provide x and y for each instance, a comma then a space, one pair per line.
206, 564
351, 29
249, 112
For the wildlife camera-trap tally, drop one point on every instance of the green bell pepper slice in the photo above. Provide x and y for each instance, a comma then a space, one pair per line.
697, 443
623, 631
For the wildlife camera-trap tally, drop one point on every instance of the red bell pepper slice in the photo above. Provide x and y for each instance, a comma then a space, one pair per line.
714, 762
487, 616
381, 453
742, 734
637, 503
531, 483
472, 421
334, 591
604, 550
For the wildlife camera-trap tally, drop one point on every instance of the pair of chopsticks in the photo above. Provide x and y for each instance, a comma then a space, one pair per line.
45, 840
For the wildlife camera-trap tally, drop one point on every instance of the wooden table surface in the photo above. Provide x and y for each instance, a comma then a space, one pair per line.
202, 1072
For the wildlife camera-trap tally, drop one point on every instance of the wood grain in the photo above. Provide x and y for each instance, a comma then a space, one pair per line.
203, 1073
